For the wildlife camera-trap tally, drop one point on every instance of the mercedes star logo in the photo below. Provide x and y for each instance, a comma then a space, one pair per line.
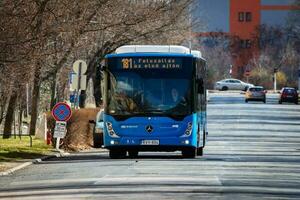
149, 128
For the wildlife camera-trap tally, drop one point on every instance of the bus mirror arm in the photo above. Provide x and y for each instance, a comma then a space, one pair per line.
103, 68
200, 86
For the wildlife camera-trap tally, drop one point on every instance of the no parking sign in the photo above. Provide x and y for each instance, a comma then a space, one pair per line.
61, 112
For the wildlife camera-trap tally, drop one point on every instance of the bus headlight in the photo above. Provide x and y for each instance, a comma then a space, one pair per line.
188, 130
110, 130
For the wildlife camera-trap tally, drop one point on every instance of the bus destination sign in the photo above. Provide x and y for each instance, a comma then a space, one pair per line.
151, 63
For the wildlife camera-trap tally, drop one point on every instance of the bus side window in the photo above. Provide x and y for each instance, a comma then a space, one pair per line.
200, 86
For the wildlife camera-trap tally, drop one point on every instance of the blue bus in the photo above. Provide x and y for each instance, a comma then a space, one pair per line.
154, 100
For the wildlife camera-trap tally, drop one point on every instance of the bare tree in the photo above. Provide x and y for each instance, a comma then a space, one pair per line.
216, 50
38, 39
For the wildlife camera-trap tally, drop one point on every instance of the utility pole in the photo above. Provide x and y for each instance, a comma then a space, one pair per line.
275, 79
27, 99
299, 79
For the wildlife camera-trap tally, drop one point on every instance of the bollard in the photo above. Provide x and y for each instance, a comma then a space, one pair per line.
30, 140
49, 137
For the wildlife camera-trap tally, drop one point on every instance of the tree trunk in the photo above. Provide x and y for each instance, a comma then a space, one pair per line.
20, 121
2, 108
35, 99
53, 92
9, 116
97, 87
1, 114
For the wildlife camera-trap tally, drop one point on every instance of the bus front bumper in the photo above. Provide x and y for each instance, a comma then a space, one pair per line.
150, 144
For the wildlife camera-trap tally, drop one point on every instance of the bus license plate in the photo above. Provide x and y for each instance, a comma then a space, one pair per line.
150, 142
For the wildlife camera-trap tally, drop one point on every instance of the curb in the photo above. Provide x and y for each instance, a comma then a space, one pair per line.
10, 171
37, 160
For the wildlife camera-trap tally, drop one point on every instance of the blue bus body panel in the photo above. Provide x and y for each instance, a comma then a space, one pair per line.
169, 132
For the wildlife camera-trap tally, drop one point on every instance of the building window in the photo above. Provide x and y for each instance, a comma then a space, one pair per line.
241, 16
242, 44
248, 44
248, 16
245, 16
245, 44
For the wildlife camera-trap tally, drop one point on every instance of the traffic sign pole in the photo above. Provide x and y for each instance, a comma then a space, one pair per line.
275, 82
299, 79
78, 84
61, 112
247, 75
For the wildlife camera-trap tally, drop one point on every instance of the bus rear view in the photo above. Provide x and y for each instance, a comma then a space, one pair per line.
154, 100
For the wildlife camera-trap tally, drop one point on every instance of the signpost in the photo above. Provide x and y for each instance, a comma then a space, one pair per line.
299, 79
275, 79
247, 75
61, 112
78, 81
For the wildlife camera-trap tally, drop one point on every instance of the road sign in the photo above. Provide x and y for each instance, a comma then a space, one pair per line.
74, 85
247, 73
79, 67
61, 112
60, 129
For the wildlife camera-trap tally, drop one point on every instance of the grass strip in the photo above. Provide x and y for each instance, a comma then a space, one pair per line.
12, 150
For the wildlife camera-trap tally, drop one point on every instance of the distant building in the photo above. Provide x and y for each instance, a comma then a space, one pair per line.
240, 19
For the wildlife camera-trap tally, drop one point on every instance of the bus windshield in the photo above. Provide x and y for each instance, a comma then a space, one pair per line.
149, 93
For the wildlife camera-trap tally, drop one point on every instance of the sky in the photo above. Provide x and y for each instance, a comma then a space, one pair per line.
214, 14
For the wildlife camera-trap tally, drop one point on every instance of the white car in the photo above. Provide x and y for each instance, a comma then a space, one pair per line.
98, 129
232, 84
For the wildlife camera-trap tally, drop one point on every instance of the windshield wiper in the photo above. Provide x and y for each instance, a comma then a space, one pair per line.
154, 111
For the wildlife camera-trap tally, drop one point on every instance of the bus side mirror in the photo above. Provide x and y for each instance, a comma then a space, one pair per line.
200, 86
92, 121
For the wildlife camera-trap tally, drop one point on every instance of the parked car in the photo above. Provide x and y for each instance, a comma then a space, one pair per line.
232, 84
288, 94
256, 93
98, 129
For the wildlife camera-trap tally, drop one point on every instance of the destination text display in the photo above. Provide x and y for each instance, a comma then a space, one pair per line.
150, 63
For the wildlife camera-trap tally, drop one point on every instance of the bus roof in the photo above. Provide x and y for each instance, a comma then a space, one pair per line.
155, 50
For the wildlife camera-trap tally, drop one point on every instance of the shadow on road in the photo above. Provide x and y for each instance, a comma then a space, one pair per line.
104, 157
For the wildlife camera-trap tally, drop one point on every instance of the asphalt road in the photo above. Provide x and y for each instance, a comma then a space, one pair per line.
253, 152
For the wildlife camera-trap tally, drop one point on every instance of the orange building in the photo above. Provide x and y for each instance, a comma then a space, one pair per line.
240, 19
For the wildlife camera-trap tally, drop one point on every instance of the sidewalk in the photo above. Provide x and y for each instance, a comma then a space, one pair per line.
7, 168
